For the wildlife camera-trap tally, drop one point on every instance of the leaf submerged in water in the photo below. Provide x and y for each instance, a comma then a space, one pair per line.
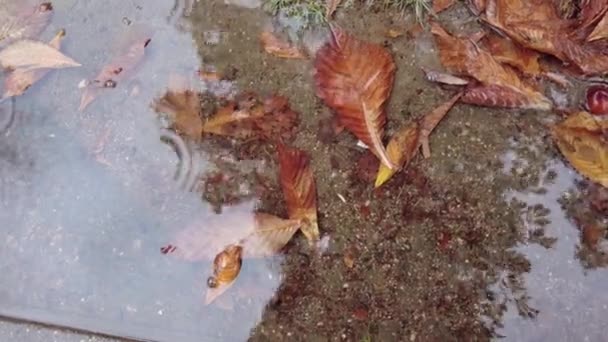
27, 22
29, 55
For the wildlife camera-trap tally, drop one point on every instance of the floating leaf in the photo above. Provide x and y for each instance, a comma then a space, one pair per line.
299, 189
355, 79
259, 235
185, 108
279, 48
465, 57
442, 5
400, 149
26, 23
19, 80
30, 54
582, 140
116, 71
270, 120
226, 267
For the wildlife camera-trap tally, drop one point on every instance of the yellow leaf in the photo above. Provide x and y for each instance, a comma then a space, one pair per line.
582, 140
400, 150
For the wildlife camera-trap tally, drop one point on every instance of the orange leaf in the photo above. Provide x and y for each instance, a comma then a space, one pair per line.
355, 79
299, 189
279, 48
270, 120
581, 139
496, 96
226, 267
400, 149
184, 106
507, 52
601, 30
442, 5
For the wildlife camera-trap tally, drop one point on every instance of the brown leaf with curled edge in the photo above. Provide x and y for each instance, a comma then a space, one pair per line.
535, 24
272, 119
465, 57
442, 5
226, 267
279, 48
20, 80
601, 30
582, 140
119, 69
184, 107
400, 149
507, 52
25, 22
355, 79
431, 120
298, 184
494, 96
259, 234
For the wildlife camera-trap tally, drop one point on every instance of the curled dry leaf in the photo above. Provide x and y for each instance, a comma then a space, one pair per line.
465, 57
442, 5
507, 52
298, 184
431, 120
400, 149
259, 234
601, 30
26, 22
116, 71
582, 140
30, 54
185, 109
19, 80
355, 79
269, 120
439, 77
226, 267
279, 48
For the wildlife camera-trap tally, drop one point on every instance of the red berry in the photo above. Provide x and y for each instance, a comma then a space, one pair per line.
597, 100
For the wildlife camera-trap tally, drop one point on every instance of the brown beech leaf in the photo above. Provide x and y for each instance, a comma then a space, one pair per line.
279, 48
259, 234
19, 80
507, 52
601, 30
330, 7
272, 119
465, 57
400, 149
25, 22
30, 54
582, 140
355, 78
495, 96
477, 6
119, 69
226, 267
184, 106
442, 5
299, 189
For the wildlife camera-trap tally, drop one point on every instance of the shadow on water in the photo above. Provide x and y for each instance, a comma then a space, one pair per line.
87, 200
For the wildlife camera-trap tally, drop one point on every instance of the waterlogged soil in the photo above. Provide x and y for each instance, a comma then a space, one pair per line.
430, 256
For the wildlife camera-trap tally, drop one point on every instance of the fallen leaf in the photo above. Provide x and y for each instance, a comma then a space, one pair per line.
279, 48
116, 71
185, 109
467, 58
19, 80
507, 52
269, 120
477, 6
226, 267
331, 6
401, 150
582, 140
30, 54
442, 5
355, 79
430, 121
298, 184
26, 23
259, 234
439, 77
394, 33
601, 30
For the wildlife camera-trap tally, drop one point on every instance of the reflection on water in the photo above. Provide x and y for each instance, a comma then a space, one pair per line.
88, 199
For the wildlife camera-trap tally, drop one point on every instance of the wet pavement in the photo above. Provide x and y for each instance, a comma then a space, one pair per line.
88, 199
